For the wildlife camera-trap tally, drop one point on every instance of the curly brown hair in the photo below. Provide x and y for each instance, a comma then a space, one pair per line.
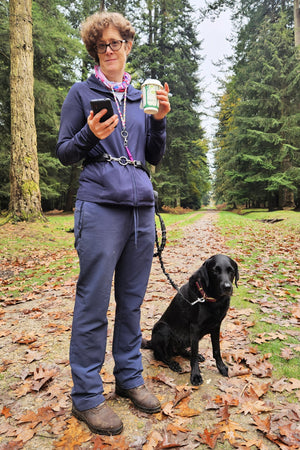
92, 29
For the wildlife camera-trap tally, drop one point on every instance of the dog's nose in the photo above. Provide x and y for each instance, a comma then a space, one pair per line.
227, 286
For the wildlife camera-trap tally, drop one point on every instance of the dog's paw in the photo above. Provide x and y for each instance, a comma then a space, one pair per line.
200, 358
175, 366
223, 370
196, 380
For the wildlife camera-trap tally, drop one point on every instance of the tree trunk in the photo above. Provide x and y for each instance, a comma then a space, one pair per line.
297, 25
177, 198
73, 186
25, 197
286, 196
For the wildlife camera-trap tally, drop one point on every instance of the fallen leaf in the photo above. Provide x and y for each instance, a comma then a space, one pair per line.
286, 353
153, 439
25, 434
74, 436
229, 428
209, 437
43, 416
110, 442
42, 376
255, 407
177, 428
5, 412
184, 410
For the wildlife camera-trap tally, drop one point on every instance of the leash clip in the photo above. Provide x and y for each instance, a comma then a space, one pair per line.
124, 134
199, 300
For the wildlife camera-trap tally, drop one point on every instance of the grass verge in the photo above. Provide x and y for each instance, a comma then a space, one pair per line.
268, 255
33, 254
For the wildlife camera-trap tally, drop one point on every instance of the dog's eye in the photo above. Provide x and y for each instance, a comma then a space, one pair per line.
230, 271
217, 269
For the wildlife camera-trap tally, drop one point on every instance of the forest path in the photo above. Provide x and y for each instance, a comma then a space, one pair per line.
222, 413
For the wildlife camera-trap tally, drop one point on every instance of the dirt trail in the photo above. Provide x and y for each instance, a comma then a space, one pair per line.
35, 381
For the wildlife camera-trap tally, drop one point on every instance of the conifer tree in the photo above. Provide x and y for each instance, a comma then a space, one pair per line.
262, 153
168, 49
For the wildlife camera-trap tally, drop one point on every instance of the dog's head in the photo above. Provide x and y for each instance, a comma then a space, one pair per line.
216, 276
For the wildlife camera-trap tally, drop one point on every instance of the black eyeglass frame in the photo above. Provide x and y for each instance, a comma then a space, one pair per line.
120, 41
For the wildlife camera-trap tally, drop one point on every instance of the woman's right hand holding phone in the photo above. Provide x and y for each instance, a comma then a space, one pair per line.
102, 129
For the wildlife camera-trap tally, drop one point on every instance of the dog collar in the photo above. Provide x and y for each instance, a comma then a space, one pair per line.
204, 298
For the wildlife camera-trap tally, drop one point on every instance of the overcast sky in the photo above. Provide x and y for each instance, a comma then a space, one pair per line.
215, 37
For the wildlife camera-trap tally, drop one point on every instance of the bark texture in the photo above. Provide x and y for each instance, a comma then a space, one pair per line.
25, 197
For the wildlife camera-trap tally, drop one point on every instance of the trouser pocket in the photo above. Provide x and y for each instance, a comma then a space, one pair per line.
78, 222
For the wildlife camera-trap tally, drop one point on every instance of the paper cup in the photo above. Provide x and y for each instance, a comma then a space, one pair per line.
150, 101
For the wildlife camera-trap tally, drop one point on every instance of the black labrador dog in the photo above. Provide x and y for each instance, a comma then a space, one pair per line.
196, 310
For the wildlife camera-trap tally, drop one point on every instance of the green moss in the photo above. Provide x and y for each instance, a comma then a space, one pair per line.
29, 188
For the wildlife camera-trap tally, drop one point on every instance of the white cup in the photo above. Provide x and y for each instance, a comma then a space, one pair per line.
150, 101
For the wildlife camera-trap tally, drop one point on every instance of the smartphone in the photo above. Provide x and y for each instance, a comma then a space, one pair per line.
102, 103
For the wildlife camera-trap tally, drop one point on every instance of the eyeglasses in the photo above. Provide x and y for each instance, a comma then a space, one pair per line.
114, 45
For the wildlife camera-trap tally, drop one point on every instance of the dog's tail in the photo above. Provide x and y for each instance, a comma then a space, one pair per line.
146, 344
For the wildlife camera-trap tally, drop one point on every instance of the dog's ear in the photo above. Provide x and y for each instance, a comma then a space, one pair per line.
236, 271
201, 275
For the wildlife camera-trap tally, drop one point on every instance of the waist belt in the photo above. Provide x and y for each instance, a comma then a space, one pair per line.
123, 161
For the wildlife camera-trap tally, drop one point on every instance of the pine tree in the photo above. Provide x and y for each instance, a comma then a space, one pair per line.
261, 148
168, 49
57, 62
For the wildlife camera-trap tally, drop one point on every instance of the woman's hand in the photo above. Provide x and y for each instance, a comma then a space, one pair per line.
164, 104
102, 129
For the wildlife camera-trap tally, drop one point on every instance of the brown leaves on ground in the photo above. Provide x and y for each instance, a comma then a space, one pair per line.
250, 409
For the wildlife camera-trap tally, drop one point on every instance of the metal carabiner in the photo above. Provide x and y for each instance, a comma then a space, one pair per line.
123, 161
124, 134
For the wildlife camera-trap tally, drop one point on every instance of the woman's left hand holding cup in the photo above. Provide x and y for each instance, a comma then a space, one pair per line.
164, 104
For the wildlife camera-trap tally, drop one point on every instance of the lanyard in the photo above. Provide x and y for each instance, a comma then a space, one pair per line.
124, 132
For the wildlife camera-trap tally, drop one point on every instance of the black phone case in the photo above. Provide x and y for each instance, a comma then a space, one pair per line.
102, 103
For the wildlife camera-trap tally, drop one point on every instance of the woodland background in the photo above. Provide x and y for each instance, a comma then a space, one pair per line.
256, 145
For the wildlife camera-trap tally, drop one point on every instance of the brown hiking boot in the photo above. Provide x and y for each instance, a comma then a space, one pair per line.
101, 419
141, 398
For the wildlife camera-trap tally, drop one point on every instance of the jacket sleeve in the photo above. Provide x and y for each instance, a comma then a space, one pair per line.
156, 140
75, 138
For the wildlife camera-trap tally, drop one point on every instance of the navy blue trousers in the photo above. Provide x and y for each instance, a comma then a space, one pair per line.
119, 242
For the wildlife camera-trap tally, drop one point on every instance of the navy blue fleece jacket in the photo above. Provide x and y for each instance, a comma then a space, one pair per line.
109, 182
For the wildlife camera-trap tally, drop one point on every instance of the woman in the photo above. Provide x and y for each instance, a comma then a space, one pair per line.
114, 220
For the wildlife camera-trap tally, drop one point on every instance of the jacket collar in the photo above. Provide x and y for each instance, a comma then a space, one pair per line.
96, 85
